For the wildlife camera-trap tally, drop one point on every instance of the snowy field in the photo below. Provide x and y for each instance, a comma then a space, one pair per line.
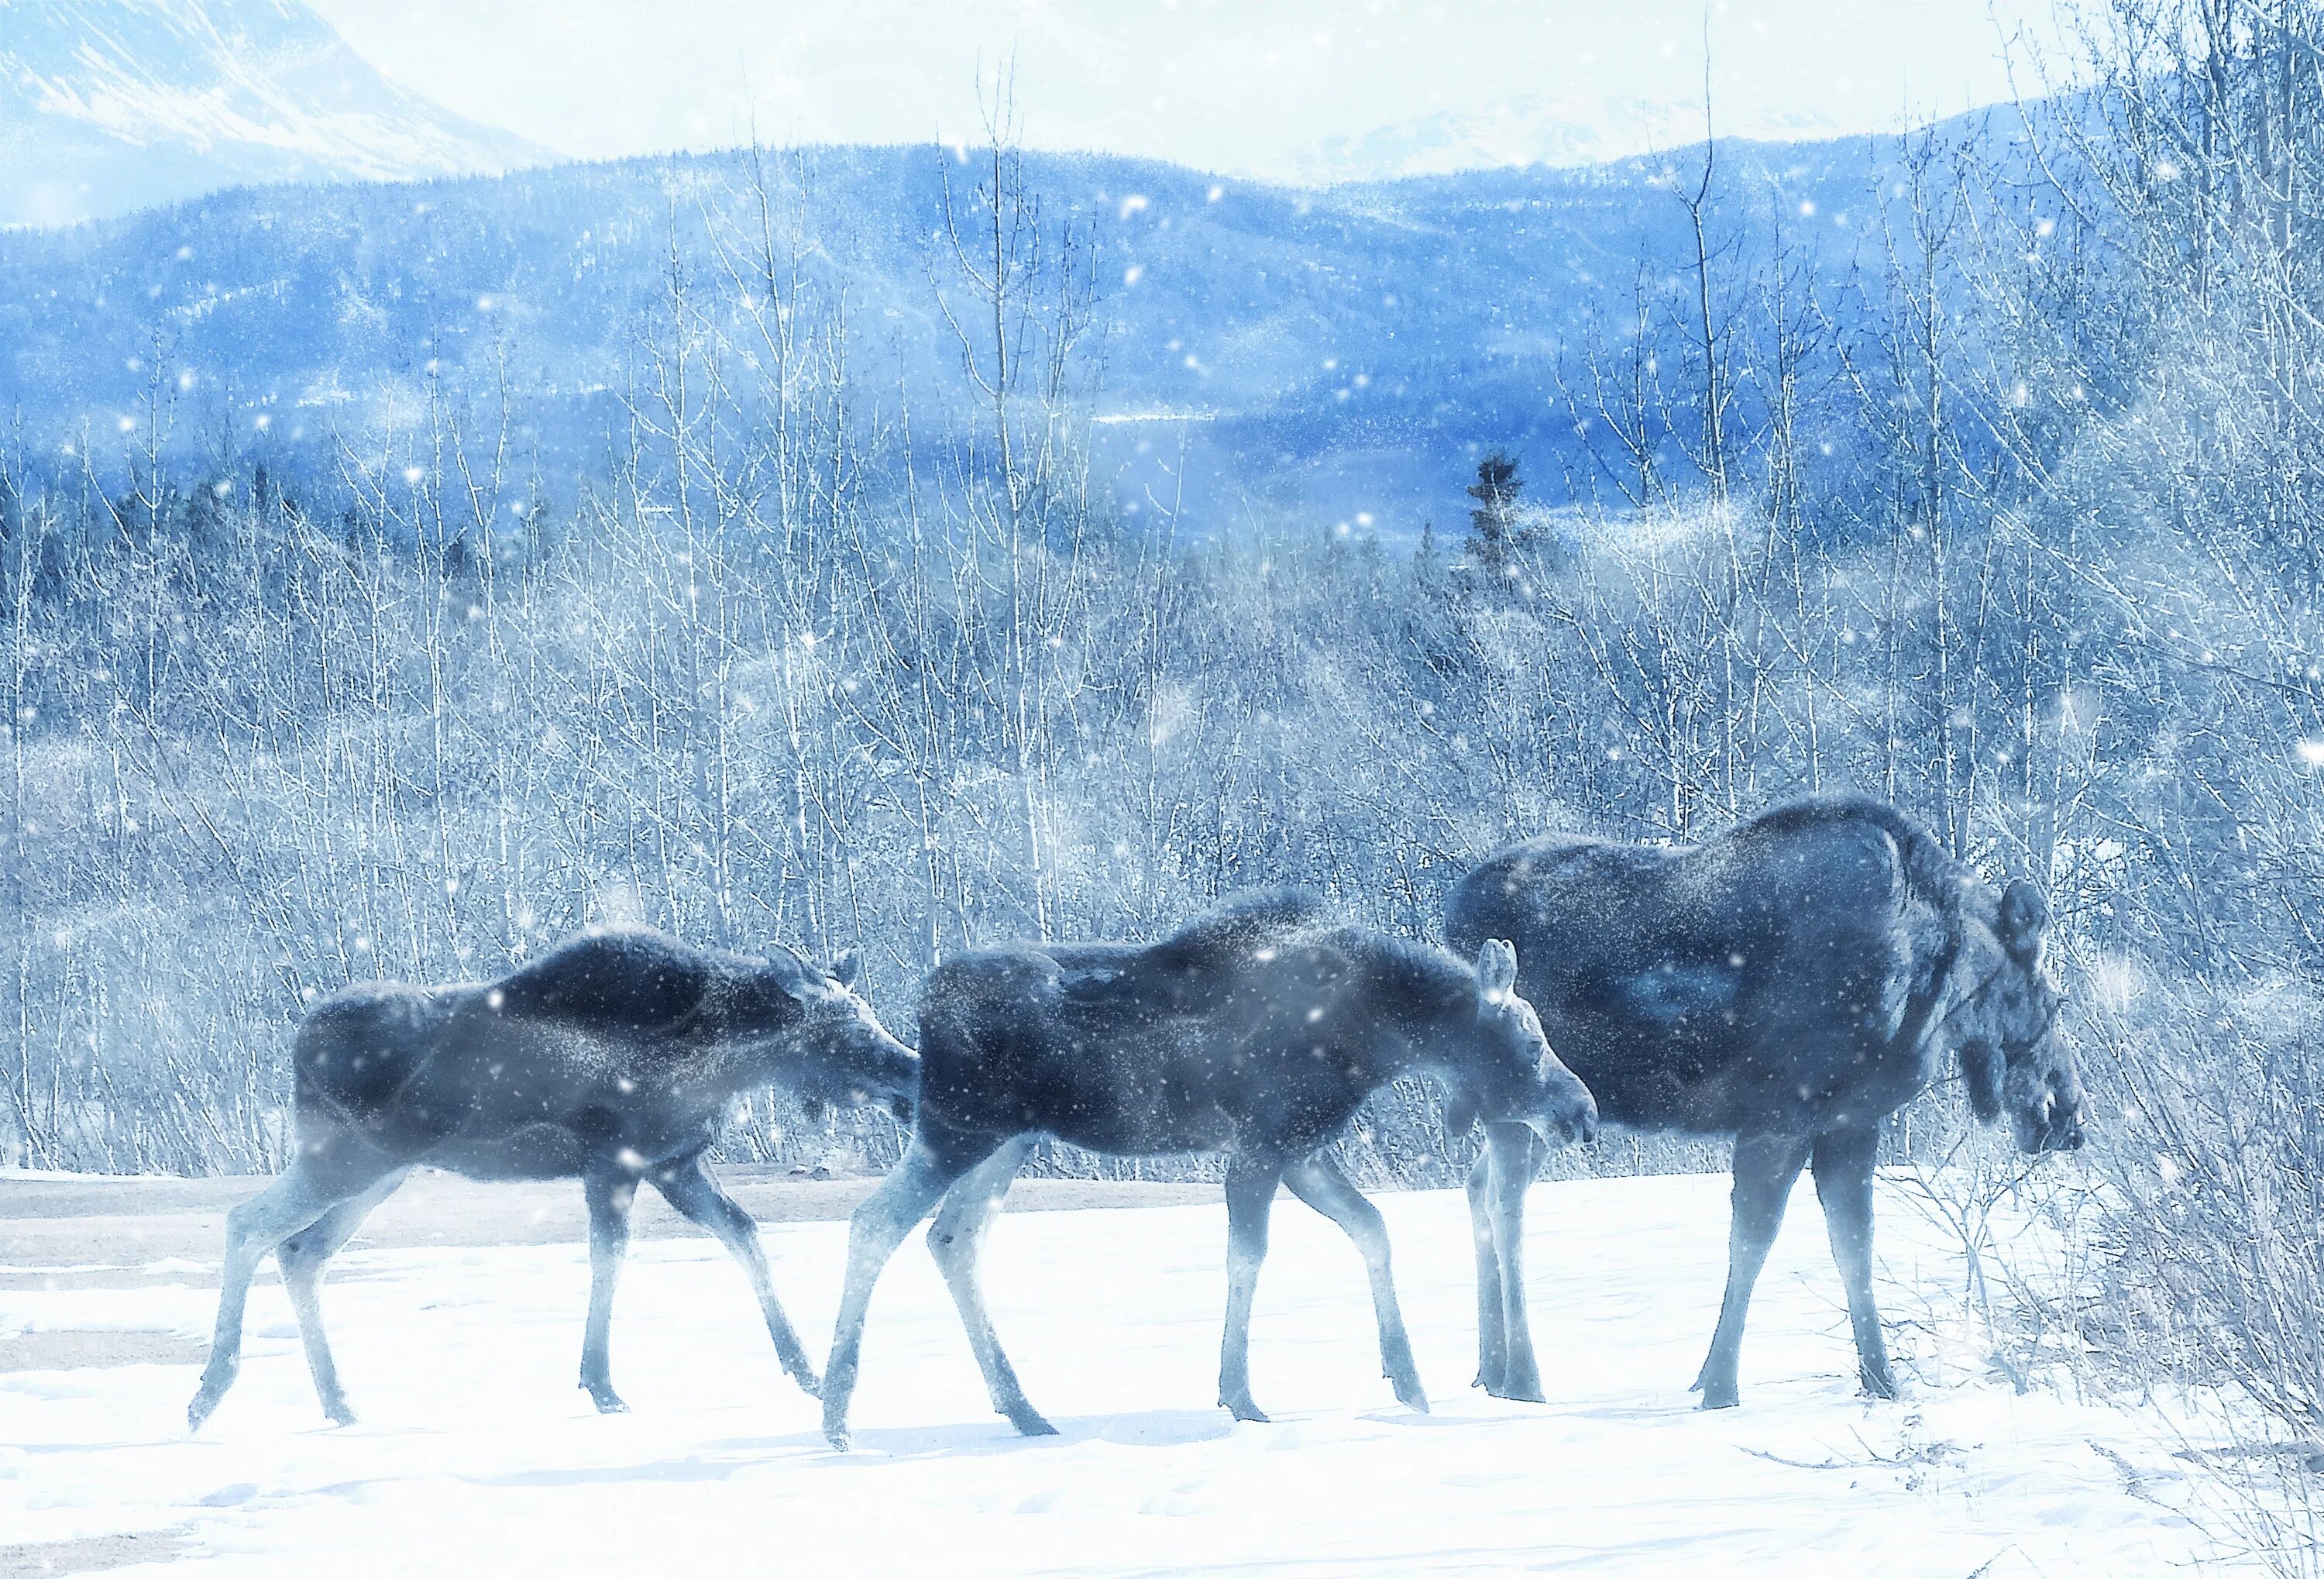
475, 1454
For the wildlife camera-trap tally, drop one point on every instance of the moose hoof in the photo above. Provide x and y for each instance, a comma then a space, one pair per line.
198, 1412
837, 1437
607, 1401
1411, 1397
1718, 1397
1029, 1423
808, 1383
1879, 1384
339, 1413
1517, 1393
1242, 1408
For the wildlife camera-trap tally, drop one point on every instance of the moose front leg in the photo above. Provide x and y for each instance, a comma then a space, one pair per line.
1250, 1197
610, 1192
1319, 1182
691, 1189
1842, 1163
1492, 1333
1515, 1152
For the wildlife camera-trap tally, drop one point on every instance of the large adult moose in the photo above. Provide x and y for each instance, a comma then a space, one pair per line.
1789, 984
613, 1057
1256, 1031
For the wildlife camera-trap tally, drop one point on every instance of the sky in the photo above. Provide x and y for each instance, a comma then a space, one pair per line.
1245, 86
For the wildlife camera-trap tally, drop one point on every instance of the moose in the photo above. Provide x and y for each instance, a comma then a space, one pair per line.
613, 1056
1256, 1030
1789, 984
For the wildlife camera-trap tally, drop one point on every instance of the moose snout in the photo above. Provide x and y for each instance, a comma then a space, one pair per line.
2064, 1129
1570, 1113
2054, 1124
1582, 1126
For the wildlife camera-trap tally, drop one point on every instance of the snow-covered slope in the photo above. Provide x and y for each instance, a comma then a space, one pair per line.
107, 106
1564, 131
476, 1455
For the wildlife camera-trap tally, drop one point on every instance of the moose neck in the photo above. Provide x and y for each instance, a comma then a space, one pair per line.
1426, 1001
750, 1040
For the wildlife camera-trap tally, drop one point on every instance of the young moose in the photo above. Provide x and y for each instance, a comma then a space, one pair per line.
1256, 1031
613, 1056
1790, 982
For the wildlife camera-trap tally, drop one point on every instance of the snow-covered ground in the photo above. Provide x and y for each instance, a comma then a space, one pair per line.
476, 1454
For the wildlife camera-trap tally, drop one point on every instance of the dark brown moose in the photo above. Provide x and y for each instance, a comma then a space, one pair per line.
1256, 1031
1789, 984
614, 1057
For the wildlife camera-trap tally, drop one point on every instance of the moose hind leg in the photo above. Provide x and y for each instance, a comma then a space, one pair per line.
877, 1227
1319, 1182
303, 1257
1251, 1199
610, 1193
1842, 1161
955, 1238
1765, 1169
694, 1193
253, 1230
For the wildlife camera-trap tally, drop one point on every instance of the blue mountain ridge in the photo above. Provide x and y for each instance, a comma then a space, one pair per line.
1320, 354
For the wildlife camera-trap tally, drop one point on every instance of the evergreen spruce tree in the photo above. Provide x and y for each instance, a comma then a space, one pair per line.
1493, 523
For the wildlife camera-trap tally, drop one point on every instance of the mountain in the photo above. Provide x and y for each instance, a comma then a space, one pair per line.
1563, 131
1321, 356
109, 105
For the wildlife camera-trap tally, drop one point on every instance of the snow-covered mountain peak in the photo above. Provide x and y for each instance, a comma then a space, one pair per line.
1562, 130
107, 106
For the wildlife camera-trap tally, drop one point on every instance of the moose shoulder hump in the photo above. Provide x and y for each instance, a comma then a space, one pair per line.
631, 979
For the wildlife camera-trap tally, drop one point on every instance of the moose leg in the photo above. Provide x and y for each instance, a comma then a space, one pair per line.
302, 1256
610, 1193
303, 1193
1765, 1169
694, 1192
1492, 1336
1842, 1160
1251, 1199
1319, 1182
877, 1227
955, 1238
1515, 1150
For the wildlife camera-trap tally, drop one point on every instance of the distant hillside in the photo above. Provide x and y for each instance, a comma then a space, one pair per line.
110, 105
1563, 130
1322, 355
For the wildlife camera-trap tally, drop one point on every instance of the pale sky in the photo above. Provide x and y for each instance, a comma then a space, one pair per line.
1235, 86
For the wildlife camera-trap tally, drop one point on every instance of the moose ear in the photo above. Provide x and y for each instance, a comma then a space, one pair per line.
1497, 968
2023, 923
846, 968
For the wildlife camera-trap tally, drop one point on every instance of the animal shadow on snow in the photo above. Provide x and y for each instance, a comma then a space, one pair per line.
987, 1438
983, 1439
976, 1439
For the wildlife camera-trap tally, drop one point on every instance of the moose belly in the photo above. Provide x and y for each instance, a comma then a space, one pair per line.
1158, 1129
1718, 1079
1119, 1107
530, 1152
